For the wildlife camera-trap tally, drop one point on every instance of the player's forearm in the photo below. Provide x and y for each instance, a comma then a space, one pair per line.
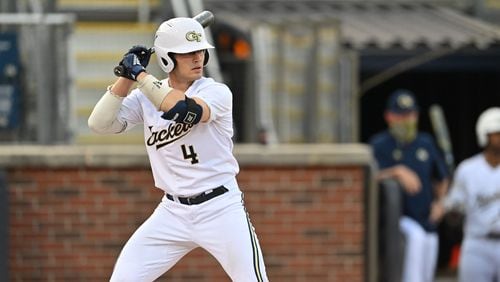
103, 118
385, 174
168, 100
122, 87
162, 96
395, 172
159, 93
441, 189
454, 204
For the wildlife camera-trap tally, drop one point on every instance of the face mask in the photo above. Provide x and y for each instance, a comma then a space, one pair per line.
404, 131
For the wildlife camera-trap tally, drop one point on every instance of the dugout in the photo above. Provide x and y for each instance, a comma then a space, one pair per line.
455, 66
464, 82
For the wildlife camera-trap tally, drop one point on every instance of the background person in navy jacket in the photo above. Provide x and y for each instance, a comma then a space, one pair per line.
412, 158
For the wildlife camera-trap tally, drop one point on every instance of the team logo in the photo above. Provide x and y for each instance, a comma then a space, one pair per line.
405, 101
190, 117
172, 133
484, 200
193, 36
157, 83
422, 154
397, 154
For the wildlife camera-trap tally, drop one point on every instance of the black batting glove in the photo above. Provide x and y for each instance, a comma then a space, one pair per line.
142, 52
132, 66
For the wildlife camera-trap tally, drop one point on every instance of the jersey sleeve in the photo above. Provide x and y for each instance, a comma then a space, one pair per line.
456, 198
381, 151
131, 110
219, 100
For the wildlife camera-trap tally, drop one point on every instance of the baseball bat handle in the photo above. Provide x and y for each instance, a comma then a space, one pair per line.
119, 70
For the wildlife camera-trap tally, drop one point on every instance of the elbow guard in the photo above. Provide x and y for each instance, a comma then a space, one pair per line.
185, 111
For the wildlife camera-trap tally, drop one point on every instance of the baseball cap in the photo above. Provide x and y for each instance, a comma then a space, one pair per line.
402, 101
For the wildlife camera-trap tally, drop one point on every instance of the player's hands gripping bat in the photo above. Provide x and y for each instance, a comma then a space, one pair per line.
143, 53
132, 66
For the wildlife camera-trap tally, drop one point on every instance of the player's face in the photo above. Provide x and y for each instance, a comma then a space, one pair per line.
402, 126
494, 141
399, 118
189, 66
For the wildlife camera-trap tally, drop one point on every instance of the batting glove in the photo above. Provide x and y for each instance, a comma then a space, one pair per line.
132, 66
142, 52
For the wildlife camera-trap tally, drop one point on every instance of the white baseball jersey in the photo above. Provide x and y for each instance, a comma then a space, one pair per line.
187, 159
476, 191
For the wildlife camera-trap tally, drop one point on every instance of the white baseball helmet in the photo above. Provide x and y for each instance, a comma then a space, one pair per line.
179, 35
488, 122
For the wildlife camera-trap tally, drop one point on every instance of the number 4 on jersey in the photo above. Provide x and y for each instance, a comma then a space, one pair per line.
190, 155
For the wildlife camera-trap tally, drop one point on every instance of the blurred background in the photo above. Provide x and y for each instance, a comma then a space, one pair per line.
301, 72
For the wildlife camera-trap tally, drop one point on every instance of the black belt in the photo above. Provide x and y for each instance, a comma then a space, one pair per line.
493, 236
200, 198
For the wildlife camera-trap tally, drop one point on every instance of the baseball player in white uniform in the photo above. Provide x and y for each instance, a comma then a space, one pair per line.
476, 192
188, 127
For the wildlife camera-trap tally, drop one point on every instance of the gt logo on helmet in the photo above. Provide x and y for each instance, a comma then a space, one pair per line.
193, 36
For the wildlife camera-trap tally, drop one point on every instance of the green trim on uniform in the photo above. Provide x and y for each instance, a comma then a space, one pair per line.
255, 251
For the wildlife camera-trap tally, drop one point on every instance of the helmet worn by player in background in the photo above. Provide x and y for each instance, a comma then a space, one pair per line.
488, 122
179, 35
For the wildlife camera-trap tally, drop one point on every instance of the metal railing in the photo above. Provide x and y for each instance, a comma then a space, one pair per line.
391, 240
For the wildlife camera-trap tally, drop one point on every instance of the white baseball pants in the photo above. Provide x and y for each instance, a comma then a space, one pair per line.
220, 226
421, 251
479, 260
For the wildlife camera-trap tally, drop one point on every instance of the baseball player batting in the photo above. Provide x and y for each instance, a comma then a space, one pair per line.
475, 191
188, 129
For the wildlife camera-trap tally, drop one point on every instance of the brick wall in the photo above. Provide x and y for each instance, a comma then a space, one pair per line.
70, 224
72, 208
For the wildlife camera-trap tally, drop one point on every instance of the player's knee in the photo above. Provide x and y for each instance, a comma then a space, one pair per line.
417, 240
249, 270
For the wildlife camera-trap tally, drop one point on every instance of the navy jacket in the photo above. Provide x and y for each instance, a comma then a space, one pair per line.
423, 157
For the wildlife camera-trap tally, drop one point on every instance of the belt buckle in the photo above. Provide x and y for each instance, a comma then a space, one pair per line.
201, 195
